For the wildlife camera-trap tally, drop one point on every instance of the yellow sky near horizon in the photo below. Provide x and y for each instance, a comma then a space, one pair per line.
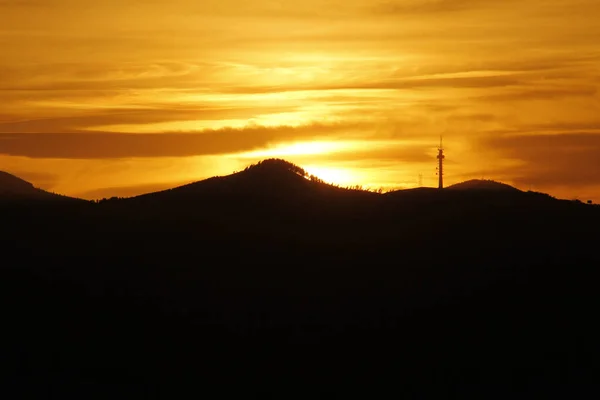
121, 98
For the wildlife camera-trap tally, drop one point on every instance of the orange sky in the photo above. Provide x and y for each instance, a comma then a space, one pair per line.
124, 97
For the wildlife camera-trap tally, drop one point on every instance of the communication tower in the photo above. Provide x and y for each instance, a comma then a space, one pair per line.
440, 168
420, 180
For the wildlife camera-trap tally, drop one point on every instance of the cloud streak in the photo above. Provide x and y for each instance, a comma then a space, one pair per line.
106, 145
552, 160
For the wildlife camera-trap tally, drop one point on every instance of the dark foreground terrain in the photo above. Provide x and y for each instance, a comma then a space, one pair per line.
265, 284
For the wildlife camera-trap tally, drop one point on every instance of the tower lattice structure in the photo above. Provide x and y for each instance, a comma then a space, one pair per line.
440, 168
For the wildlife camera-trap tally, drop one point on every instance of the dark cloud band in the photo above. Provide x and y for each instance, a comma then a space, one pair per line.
98, 145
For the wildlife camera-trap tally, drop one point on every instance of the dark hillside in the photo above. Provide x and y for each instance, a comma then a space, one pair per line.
14, 189
272, 190
482, 184
272, 177
267, 284
11, 184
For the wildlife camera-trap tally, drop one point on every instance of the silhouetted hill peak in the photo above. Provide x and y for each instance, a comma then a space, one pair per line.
483, 184
276, 166
271, 178
14, 185
14, 188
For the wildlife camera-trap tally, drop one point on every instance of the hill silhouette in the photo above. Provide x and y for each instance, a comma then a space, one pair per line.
483, 184
277, 186
271, 190
267, 178
13, 188
11, 185
287, 287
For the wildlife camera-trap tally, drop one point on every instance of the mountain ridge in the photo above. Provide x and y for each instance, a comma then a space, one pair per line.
266, 173
13, 188
279, 179
483, 184
268, 178
271, 286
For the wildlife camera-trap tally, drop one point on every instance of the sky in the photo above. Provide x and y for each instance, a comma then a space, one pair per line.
115, 98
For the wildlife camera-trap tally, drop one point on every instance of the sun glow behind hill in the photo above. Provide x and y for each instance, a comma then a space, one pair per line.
325, 160
336, 176
343, 176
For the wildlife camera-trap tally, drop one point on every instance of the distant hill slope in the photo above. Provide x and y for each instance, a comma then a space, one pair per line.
14, 188
276, 184
276, 192
469, 195
279, 181
271, 190
483, 184
285, 284
272, 178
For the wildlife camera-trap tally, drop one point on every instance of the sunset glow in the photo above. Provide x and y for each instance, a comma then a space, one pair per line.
339, 176
110, 98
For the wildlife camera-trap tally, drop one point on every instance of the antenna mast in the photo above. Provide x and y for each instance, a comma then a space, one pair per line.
440, 168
